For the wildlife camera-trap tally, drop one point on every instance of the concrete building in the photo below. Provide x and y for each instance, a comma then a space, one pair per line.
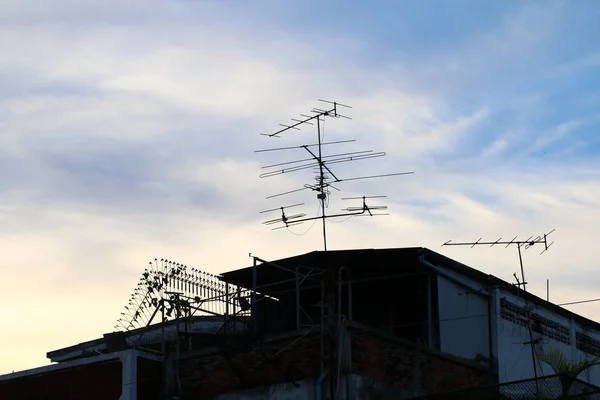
352, 324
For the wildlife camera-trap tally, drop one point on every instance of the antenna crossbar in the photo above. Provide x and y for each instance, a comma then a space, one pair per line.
312, 158
305, 145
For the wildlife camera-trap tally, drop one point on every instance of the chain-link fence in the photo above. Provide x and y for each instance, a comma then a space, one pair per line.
545, 388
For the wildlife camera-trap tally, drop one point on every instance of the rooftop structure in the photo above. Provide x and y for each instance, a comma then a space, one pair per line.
400, 322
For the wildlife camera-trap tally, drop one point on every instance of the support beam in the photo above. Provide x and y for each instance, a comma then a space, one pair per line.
129, 374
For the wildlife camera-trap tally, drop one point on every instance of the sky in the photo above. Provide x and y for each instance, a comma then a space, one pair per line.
128, 131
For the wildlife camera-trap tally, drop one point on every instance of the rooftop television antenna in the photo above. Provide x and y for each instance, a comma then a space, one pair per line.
526, 244
325, 178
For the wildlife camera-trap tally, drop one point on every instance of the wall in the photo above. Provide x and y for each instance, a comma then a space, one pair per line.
400, 367
586, 341
363, 388
283, 391
379, 365
515, 361
251, 367
101, 381
464, 321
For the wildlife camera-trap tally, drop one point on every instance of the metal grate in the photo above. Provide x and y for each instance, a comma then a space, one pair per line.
587, 343
544, 326
544, 388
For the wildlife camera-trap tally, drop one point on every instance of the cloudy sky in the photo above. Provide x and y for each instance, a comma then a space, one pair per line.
128, 130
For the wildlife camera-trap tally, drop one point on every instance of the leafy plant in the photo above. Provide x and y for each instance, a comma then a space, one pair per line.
568, 371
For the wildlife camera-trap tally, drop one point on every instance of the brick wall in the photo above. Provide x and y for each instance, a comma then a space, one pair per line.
403, 366
212, 374
394, 362
100, 381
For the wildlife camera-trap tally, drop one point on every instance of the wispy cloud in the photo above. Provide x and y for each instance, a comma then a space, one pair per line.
127, 132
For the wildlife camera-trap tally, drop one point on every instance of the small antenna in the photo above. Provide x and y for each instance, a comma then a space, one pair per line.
284, 218
526, 244
365, 207
325, 177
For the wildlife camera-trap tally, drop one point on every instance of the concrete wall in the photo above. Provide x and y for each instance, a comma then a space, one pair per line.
363, 388
586, 340
284, 391
464, 321
515, 361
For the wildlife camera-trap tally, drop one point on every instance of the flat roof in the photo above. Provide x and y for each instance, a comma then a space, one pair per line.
279, 275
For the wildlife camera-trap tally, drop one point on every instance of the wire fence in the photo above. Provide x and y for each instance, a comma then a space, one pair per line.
544, 388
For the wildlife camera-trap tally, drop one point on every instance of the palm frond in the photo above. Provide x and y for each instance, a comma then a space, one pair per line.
559, 363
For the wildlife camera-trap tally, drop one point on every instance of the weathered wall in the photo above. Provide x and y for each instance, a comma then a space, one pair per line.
282, 391
515, 361
246, 368
380, 366
363, 388
100, 381
396, 365
464, 321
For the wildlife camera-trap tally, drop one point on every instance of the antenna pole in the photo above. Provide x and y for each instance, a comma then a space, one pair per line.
522, 270
321, 194
531, 344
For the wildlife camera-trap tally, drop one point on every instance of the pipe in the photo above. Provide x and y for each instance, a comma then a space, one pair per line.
339, 368
453, 278
340, 328
318, 389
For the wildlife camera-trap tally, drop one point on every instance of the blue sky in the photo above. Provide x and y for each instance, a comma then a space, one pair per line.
128, 131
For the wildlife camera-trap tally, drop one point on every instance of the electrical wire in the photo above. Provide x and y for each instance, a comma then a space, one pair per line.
340, 222
578, 302
309, 228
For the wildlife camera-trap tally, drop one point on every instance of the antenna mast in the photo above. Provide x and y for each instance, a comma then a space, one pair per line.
325, 177
543, 239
